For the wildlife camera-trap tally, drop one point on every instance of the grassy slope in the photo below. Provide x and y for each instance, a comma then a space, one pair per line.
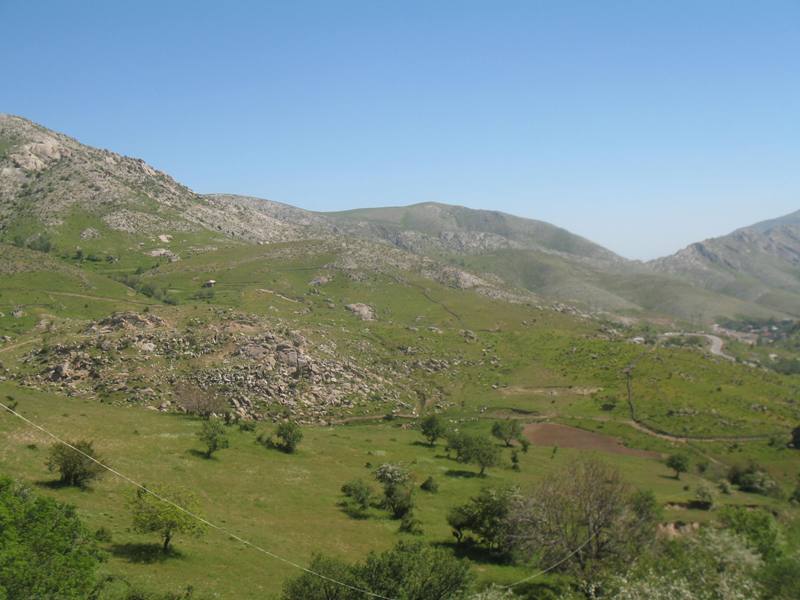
289, 504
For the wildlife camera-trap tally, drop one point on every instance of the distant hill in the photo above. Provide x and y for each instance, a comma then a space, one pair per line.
759, 264
101, 203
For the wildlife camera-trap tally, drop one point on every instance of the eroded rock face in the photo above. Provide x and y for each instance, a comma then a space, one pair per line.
363, 311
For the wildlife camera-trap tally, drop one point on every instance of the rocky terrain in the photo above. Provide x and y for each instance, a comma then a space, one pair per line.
52, 185
235, 363
759, 263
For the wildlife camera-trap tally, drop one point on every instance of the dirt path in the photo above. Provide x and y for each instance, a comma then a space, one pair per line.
19, 344
103, 298
717, 344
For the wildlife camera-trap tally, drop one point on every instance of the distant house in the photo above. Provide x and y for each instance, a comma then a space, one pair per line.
210, 283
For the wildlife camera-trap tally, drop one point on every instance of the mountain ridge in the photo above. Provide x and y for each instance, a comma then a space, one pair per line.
51, 182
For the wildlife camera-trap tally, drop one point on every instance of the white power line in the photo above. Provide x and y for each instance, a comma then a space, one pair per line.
193, 515
246, 542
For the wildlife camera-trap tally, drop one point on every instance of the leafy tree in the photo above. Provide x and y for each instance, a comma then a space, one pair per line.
288, 436
482, 452
415, 571
213, 435
75, 467
713, 565
153, 515
758, 527
679, 463
398, 491
781, 579
584, 518
507, 430
311, 587
433, 428
486, 517
45, 551
456, 442
409, 571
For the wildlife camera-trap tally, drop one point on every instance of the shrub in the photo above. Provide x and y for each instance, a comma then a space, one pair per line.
410, 524
754, 479
411, 571
359, 492
76, 467
430, 485
288, 436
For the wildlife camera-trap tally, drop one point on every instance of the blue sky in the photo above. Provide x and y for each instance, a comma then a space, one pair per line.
641, 125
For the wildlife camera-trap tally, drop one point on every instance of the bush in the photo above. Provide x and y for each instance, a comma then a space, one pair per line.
430, 485
754, 479
75, 467
411, 571
287, 437
410, 524
360, 493
103, 534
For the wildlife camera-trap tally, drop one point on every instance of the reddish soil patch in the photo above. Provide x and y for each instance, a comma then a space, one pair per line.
553, 434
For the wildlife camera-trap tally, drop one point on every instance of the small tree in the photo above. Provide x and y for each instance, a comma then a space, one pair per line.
433, 428
486, 516
213, 435
288, 436
75, 466
507, 431
153, 515
678, 463
482, 452
398, 491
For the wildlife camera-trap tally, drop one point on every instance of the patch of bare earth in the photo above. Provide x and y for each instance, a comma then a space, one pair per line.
553, 434
518, 390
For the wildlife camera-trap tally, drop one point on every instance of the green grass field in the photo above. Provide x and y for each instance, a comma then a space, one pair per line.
521, 361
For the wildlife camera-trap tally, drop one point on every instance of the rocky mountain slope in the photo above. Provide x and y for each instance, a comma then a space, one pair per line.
100, 203
759, 264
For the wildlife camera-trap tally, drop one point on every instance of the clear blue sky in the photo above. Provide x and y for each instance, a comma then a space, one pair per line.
642, 125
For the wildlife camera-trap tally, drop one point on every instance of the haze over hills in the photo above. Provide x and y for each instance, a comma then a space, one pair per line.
51, 182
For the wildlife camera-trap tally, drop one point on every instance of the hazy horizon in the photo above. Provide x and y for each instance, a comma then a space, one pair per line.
643, 128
